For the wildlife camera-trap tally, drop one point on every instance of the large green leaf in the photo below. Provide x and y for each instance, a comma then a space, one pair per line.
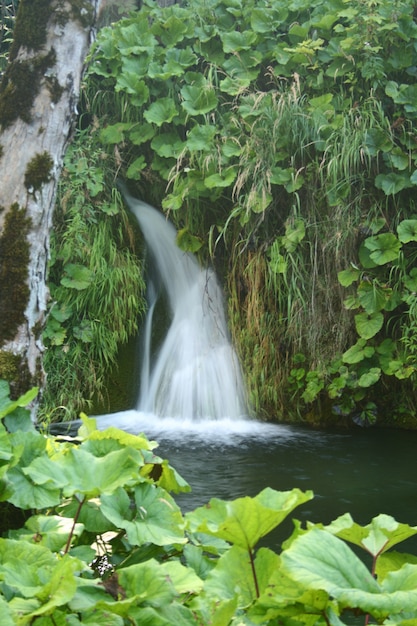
79, 471
234, 574
235, 40
358, 352
372, 296
161, 111
368, 325
407, 230
320, 560
198, 99
392, 183
158, 519
348, 276
200, 137
51, 531
7, 406
381, 534
383, 248
77, 277
370, 377
243, 522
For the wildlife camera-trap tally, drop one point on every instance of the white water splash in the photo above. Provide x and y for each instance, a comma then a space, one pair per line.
196, 374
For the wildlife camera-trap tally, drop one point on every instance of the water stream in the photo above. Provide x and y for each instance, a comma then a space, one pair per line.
196, 374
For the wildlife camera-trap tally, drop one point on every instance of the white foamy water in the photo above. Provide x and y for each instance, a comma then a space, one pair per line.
196, 374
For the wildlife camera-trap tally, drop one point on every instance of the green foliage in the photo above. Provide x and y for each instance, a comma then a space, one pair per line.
104, 542
96, 285
281, 131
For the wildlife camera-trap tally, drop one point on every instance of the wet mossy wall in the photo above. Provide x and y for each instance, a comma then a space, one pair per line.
14, 261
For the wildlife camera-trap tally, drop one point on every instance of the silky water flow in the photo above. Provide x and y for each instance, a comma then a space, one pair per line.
195, 374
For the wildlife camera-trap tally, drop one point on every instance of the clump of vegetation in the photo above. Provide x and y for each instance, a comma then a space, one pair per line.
96, 284
20, 85
30, 29
38, 171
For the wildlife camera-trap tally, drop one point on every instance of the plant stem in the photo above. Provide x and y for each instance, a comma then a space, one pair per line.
255, 578
76, 516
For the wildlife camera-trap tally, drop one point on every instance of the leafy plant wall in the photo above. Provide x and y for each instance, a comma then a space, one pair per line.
280, 138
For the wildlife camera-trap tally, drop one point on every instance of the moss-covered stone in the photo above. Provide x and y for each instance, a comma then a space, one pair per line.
14, 260
38, 171
20, 86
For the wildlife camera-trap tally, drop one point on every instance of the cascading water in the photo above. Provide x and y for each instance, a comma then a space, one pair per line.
196, 373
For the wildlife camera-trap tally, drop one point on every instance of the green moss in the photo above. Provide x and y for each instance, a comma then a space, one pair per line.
55, 89
38, 171
1, 150
31, 25
9, 365
20, 86
14, 260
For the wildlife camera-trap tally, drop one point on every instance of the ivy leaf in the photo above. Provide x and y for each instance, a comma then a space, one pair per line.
136, 167
294, 234
48, 530
27, 575
25, 494
383, 248
368, 325
178, 59
147, 582
244, 521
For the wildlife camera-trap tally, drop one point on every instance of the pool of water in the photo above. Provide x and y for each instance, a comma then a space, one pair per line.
364, 471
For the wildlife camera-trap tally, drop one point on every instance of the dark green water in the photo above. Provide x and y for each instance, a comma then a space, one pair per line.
365, 472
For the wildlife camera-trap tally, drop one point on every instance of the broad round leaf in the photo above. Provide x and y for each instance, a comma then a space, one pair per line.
407, 231
368, 325
383, 248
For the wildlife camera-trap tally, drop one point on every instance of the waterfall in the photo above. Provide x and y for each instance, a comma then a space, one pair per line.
195, 374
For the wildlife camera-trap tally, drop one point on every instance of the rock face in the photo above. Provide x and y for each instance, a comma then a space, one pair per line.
38, 104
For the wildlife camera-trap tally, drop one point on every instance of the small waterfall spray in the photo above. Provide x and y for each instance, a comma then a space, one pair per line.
196, 374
